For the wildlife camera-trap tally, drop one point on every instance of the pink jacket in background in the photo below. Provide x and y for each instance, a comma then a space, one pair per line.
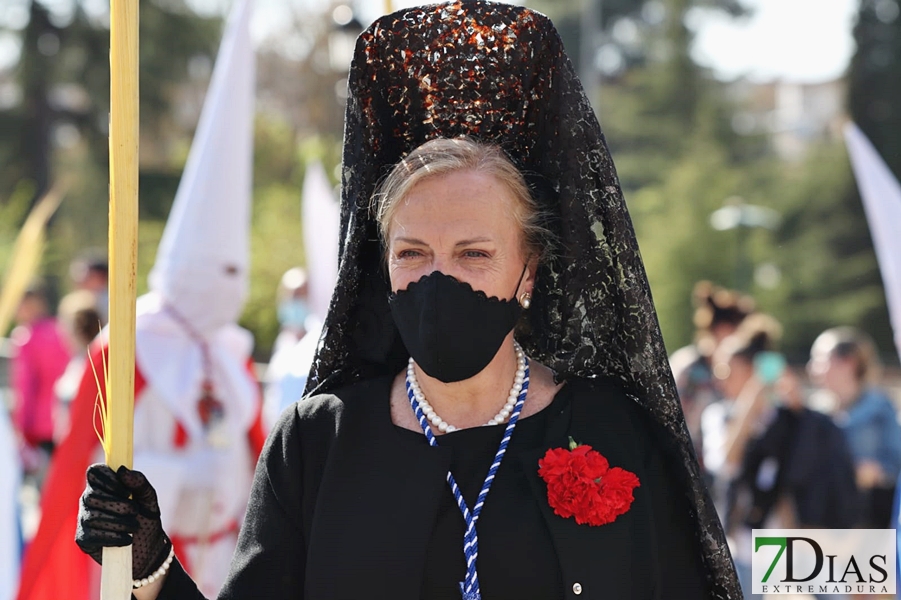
39, 359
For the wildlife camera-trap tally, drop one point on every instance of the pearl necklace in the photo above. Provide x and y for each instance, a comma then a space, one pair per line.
501, 417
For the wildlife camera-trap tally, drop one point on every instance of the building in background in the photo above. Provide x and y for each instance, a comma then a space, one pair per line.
793, 115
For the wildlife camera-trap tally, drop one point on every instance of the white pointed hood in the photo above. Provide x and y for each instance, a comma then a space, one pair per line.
321, 225
201, 268
202, 261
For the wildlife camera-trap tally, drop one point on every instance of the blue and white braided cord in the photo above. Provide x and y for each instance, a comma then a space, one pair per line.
470, 586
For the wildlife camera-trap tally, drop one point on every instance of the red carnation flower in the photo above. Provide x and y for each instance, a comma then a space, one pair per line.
581, 484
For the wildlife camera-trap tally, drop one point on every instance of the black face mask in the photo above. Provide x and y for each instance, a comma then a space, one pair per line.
451, 330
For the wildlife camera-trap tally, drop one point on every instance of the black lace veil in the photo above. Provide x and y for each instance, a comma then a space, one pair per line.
499, 74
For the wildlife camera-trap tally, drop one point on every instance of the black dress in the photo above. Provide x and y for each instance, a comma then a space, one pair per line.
516, 557
346, 505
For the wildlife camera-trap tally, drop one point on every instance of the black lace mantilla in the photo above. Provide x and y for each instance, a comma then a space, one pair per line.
499, 74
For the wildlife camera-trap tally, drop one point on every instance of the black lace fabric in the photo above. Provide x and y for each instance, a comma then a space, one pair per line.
499, 74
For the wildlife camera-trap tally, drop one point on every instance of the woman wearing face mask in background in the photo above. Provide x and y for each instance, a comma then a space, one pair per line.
485, 325
292, 353
293, 309
843, 362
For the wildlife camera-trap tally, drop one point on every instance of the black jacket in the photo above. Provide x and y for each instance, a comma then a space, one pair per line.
337, 513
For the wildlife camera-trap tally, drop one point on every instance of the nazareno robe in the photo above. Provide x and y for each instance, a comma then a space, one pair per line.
53, 566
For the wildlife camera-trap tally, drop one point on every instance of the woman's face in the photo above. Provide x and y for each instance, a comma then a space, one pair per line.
462, 225
30, 310
732, 375
829, 371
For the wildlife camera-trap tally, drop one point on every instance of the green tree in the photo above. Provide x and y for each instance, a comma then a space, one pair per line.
59, 128
829, 271
840, 282
874, 79
825, 251
668, 124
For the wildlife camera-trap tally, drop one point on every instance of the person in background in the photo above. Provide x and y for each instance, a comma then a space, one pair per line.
294, 315
90, 271
80, 322
40, 356
776, 463
843, 362
718, 312
294, 348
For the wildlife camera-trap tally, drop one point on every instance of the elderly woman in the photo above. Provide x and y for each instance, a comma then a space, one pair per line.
491, 413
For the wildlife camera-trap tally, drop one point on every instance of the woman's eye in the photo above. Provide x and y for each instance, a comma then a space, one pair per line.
475, 254
408, 254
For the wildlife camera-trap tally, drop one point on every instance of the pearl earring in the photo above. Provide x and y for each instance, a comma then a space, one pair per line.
526, 300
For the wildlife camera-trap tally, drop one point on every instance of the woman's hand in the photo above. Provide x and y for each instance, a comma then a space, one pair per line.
789, 390
749, 409
120, 509
753, 400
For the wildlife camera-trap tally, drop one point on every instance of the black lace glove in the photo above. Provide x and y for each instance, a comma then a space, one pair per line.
118, 509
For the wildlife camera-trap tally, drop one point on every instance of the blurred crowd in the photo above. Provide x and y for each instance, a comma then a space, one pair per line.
781, 446
49, 353
816, 446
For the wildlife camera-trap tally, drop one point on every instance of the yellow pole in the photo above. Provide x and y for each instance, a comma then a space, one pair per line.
388, 8
26, 256
116, 580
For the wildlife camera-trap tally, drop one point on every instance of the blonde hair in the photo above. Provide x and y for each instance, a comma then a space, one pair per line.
442, 156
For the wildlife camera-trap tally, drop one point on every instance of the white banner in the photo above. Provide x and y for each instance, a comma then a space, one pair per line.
881, 194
